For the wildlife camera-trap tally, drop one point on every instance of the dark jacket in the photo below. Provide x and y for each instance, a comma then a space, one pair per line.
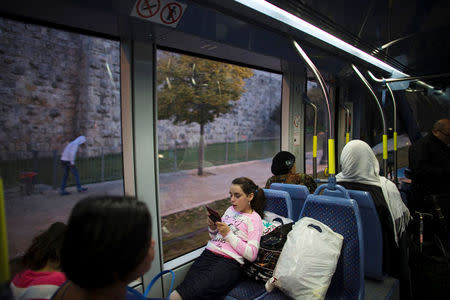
296, 178
429, 161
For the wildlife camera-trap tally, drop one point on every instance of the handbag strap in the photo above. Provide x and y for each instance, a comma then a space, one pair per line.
147, 290
279, 231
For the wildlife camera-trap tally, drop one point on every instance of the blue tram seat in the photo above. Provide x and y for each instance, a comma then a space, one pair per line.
279, 202
298, 195
373, 237
247, 289
342, 215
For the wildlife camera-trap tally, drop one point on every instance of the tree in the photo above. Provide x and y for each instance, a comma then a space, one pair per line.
197, 90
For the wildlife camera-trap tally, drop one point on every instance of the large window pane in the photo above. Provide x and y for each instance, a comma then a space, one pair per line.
216, 122
54, 86
314, 94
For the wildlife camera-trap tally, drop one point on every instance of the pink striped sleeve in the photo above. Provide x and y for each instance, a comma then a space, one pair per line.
248, 249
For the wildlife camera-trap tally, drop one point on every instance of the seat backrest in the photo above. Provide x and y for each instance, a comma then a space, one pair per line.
373, 236
298, 195
341, 214
278, 202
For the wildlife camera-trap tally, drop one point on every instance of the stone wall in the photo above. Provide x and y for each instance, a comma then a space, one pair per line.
249, 118
56, 85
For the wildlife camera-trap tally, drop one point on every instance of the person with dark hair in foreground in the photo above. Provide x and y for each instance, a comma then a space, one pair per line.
234, 238
43, 275
284, 171
107, 245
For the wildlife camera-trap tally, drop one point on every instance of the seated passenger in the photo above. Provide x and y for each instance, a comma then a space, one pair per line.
284, 171
107, 245
429, 161
236, 238
43, 275
360, 171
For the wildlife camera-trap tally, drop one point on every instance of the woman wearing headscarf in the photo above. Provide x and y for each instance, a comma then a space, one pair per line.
284, 171
360, 171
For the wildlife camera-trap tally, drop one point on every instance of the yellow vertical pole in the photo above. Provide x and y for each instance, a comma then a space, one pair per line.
331, 163
4, 260
385, 146
347, 138
395, 140
315, 146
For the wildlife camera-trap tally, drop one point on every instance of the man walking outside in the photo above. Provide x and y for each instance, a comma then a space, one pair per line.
68, 164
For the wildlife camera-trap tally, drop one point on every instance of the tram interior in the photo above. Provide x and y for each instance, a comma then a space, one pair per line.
410, 36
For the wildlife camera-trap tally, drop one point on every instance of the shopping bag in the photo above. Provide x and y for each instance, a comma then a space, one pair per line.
308, 260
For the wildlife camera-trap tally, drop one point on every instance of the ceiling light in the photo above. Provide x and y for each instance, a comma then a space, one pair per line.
287, 18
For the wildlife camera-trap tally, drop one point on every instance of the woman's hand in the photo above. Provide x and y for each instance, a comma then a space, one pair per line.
223, 228
211, 224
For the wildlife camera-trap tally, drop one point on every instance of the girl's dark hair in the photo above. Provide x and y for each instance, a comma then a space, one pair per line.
259, 199
107, 238
45, 248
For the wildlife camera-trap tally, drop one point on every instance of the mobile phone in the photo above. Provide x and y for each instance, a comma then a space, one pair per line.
213, 215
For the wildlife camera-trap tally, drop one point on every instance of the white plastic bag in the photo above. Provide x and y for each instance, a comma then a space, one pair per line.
308, 260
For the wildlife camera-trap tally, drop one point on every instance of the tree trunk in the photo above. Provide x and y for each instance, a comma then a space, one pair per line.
201, 150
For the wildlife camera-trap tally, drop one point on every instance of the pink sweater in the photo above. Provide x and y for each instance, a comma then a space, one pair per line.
243, 239
36, 285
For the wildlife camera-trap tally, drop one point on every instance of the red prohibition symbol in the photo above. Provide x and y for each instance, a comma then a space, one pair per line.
147, 8
171, 13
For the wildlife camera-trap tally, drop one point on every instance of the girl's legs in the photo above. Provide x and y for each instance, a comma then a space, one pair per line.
210, 277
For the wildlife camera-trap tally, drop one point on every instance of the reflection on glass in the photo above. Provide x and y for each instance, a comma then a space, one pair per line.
55, 86
316, 97
216, 122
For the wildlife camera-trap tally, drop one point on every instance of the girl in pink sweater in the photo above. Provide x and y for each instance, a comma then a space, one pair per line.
234, 238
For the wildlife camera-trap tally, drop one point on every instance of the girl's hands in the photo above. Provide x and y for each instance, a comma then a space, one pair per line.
211, 224
223, 228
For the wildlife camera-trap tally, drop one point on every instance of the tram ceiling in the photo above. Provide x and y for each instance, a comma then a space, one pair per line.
414, 33
202, 30
408, 35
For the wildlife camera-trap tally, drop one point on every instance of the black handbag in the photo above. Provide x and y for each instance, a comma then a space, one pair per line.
269, 251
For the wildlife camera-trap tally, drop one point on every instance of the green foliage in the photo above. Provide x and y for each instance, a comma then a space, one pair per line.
196, 90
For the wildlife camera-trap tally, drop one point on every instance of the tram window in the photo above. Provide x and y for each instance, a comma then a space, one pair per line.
314, 94
216, 121
403, 143
55, 85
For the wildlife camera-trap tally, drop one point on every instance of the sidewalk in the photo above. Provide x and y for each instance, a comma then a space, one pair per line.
27, 216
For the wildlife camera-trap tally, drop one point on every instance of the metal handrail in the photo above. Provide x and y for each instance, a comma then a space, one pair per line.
331, 153
364, 80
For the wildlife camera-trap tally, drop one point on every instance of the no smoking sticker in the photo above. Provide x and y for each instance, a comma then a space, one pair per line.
147, 8
167, 12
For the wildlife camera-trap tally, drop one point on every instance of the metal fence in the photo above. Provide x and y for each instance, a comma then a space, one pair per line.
47, 166
106, 167
231, 151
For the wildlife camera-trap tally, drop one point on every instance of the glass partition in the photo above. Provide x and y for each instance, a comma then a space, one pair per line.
216, 121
